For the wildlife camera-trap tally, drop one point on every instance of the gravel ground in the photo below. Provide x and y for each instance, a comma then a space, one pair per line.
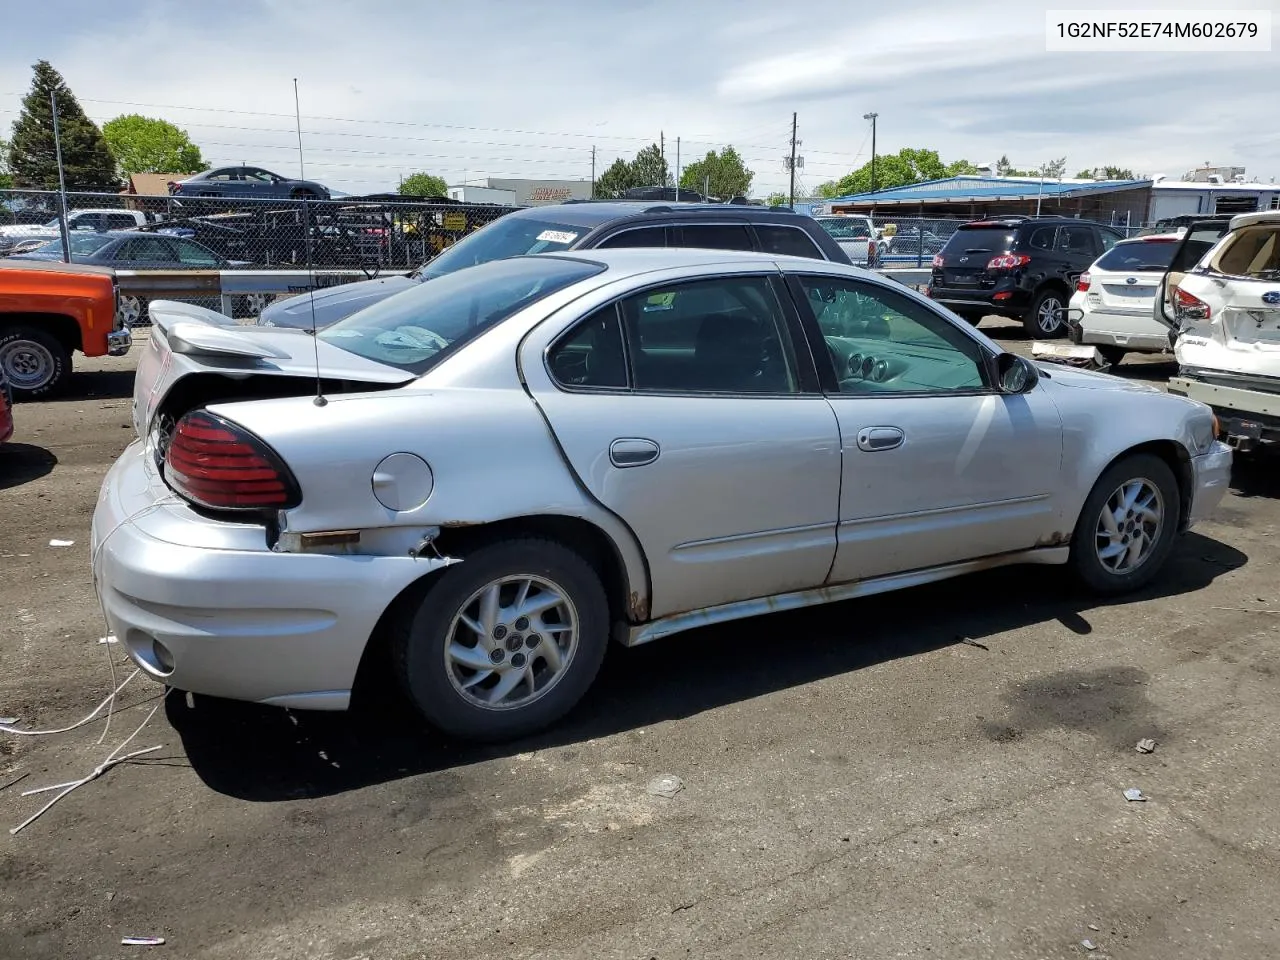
936, 773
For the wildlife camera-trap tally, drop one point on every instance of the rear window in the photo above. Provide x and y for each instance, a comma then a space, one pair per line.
417, 328
790, 241
510, 236
1143, 255
1252, 252
980, 240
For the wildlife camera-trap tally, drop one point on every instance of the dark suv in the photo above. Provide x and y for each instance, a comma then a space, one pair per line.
580, 225
1019, 267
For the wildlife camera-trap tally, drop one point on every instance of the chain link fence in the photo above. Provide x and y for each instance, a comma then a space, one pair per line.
374, 233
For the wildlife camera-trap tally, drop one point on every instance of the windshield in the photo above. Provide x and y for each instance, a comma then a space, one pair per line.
980, 240
416, 329
80, 244
845, 228
1143, 255
509, 236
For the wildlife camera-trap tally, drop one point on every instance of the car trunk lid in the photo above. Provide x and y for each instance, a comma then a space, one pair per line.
1124, 292
198, 356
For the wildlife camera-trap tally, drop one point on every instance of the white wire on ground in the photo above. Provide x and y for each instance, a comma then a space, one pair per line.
110, 702
112, 760
79, 723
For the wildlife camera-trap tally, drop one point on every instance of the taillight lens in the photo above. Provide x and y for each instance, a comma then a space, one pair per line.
216, 464
1187, 307
938, 261
1082, 282
1008, 261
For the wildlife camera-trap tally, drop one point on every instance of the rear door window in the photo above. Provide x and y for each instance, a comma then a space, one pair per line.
787, 241
120, 221
1077, 241
1042, 238
716, 236
1195, 244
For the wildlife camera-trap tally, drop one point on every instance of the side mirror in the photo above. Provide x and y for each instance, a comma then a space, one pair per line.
1015, 374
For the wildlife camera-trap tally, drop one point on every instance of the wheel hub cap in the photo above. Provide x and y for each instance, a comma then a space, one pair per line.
1129, 526
511, 642
27, 365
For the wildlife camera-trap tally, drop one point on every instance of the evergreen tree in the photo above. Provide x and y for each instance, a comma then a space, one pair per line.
86, 159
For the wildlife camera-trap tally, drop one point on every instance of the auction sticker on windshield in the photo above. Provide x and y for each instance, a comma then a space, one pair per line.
557, 236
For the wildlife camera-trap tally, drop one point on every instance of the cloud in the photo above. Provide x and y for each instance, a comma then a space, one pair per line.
489, 88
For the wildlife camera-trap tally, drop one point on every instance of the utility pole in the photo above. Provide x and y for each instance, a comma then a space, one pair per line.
297, 113
677, 168
1040, 194
62, 181
662, 149
593, 171
791, 201
872, 118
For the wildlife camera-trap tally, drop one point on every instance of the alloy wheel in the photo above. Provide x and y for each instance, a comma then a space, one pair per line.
511, 642
1129, 526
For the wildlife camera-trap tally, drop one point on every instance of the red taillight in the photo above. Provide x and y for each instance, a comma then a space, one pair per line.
1008, 261
216, 464
1187, 307
938, 261
1082, 282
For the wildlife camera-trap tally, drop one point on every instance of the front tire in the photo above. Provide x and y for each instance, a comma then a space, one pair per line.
1044, 319
506, 642
35, 362
1127, 527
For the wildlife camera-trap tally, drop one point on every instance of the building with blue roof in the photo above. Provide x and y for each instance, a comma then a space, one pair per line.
1124, 202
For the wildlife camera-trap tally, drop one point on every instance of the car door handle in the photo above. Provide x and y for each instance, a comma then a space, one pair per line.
873, 439
633, 452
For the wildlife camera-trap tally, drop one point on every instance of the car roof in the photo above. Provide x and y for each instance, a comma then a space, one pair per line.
594, 213
1250, 219
636, 260
1152, 238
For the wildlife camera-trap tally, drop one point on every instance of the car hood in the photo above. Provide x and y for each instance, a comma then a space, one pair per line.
326, 307
1065, 376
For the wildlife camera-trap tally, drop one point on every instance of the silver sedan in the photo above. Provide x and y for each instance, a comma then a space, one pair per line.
492, 474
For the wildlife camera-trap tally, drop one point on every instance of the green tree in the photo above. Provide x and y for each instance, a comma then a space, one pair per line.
1107, 173
775, 199
6, 178
828, 190
615, 181
148, 145
1054, 169
86, 159
720, 174
649, 168
906, 166
423, 185
961, 168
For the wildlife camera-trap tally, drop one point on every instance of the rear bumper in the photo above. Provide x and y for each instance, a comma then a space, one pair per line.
237, 620
1014, 301
1129, 331
1245, 416
119, 342
1211, 476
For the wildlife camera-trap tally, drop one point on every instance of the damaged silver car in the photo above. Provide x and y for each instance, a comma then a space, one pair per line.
491, 475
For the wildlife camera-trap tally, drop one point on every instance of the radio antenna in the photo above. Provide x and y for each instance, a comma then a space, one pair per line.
320, 400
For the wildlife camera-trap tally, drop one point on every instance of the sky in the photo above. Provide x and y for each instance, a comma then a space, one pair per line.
505, 88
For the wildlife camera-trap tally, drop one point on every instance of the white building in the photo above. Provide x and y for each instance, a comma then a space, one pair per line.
469, 193
1215, 194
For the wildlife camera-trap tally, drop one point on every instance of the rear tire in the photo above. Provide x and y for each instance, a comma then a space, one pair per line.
1103, 552
35, 362
1044, 320
1113, 355
971, 316
527, 670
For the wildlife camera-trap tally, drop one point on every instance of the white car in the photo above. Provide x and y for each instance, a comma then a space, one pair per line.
1112, 306
1225, 306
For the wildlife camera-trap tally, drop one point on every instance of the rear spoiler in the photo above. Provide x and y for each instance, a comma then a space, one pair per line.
199, 331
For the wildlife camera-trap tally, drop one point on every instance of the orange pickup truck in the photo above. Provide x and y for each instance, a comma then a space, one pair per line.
47, 312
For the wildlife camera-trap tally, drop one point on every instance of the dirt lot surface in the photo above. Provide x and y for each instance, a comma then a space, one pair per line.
859, 781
